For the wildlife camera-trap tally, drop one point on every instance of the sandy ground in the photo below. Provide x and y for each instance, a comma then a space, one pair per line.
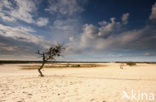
106, 84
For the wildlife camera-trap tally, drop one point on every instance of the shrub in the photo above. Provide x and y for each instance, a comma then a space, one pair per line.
75, 65
131, 63
67, 65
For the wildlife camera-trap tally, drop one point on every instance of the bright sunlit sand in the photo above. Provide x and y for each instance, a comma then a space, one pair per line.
105, 82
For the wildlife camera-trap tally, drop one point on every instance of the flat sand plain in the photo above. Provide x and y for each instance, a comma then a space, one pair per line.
106, 83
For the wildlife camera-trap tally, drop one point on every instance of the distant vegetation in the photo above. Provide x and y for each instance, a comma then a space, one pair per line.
75, 65
27, 62
136, 62
62, 65
17, 62
131, 63
126, 63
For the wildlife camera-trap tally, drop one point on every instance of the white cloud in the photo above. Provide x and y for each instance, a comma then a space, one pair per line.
147, 54
71, 38
64, 7
63, 24
42, 21
125, 18
7, 18
117, 41
110, 36
24, 10
94, 36
4, 14
67, 20
108, 28
5, 3
102, 23
153, 14
90, 32
62, 29
24, 29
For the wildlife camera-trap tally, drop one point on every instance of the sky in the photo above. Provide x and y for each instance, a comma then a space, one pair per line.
91, 30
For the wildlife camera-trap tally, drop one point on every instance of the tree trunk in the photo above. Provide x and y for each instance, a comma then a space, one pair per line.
39, 70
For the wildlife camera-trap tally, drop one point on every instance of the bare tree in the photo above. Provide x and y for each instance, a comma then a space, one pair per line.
50, 54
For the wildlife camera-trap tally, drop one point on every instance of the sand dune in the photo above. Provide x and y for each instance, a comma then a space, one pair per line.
102, 84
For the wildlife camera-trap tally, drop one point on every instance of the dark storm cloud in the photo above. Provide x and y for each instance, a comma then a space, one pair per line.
13, 49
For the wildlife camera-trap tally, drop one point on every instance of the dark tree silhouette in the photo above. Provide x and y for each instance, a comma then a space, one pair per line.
50, 54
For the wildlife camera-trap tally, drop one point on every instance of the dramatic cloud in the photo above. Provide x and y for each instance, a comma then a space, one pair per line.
7, 18
22, 10
108, 28
65, 25
22, 34
92, 35
63, 29
125, 18
109, 36
153, 14
20, 42
147, 54
64, 7
5, 14
67, 20
19, 11
13, 49
28, 25
42, 21
71, 38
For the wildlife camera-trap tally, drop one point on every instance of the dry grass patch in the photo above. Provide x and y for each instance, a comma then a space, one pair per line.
61, 65
131, 63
